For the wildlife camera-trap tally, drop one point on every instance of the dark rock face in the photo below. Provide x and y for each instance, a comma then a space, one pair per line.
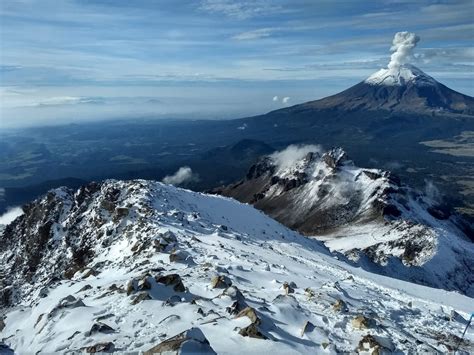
52, 240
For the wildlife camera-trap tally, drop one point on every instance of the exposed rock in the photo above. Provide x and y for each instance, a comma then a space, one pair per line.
129, 287
172, 280
120, 213
250, 313
144, 284
189, 341
89, 272
220, 281
339, 306
101, 328
288, 289
100, 347
180, 256
238, 299
2, 324
369, 343
68, 302
173, 300
308, 327
252, 331
142, 296
309, 293
85, 288
6, 296
360, 322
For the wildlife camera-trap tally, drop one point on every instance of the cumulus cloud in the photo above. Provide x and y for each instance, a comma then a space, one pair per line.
11, 214
243, 127
285, 100
402, 48
287, 157
184, 175
275, 98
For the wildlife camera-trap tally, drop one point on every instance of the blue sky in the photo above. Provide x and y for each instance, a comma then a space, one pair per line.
76, 60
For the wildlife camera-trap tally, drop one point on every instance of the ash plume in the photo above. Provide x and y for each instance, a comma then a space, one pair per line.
402, 47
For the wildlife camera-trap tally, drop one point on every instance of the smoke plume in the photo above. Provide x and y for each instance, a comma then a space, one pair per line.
180, 177
402, 47
11, 214
287, 157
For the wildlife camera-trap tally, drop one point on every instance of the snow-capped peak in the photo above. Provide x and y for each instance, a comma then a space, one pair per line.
400, 76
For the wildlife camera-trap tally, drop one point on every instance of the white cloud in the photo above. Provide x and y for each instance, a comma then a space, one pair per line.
255, 34
275, 98
242, 9
182, 176
243, 127
285, 100
11, 214
287, 157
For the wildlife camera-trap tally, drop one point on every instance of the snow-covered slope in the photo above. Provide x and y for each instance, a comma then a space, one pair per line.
367, 214
400, 76
137, 266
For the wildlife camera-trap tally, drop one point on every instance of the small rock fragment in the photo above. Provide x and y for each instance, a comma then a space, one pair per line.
360, 322
101, 328
339, 306
221, 281
288, 289
171, 280
369, 344
252, 331
308, 327
100, 347
250, 313
142, 296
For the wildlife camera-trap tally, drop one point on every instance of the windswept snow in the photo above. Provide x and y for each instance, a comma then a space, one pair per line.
157, 252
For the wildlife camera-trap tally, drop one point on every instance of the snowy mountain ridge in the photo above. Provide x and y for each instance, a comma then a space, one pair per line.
367, 214
141, 266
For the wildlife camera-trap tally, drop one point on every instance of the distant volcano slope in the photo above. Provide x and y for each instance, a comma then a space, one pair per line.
405, 88
365, 213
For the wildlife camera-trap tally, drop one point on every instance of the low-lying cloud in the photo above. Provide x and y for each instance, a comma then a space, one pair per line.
11, 214
287, 157
184, 175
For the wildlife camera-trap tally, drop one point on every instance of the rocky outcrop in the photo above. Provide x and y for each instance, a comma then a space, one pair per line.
188, 342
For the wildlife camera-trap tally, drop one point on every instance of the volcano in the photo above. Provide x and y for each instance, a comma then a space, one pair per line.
403, 88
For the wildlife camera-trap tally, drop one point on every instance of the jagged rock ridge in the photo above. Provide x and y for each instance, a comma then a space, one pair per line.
364, 213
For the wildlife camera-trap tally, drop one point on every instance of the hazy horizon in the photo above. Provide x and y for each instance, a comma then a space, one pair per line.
78, 61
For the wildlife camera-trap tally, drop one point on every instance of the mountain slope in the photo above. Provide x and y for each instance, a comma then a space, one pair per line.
137, 266
404, 88
365, 213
